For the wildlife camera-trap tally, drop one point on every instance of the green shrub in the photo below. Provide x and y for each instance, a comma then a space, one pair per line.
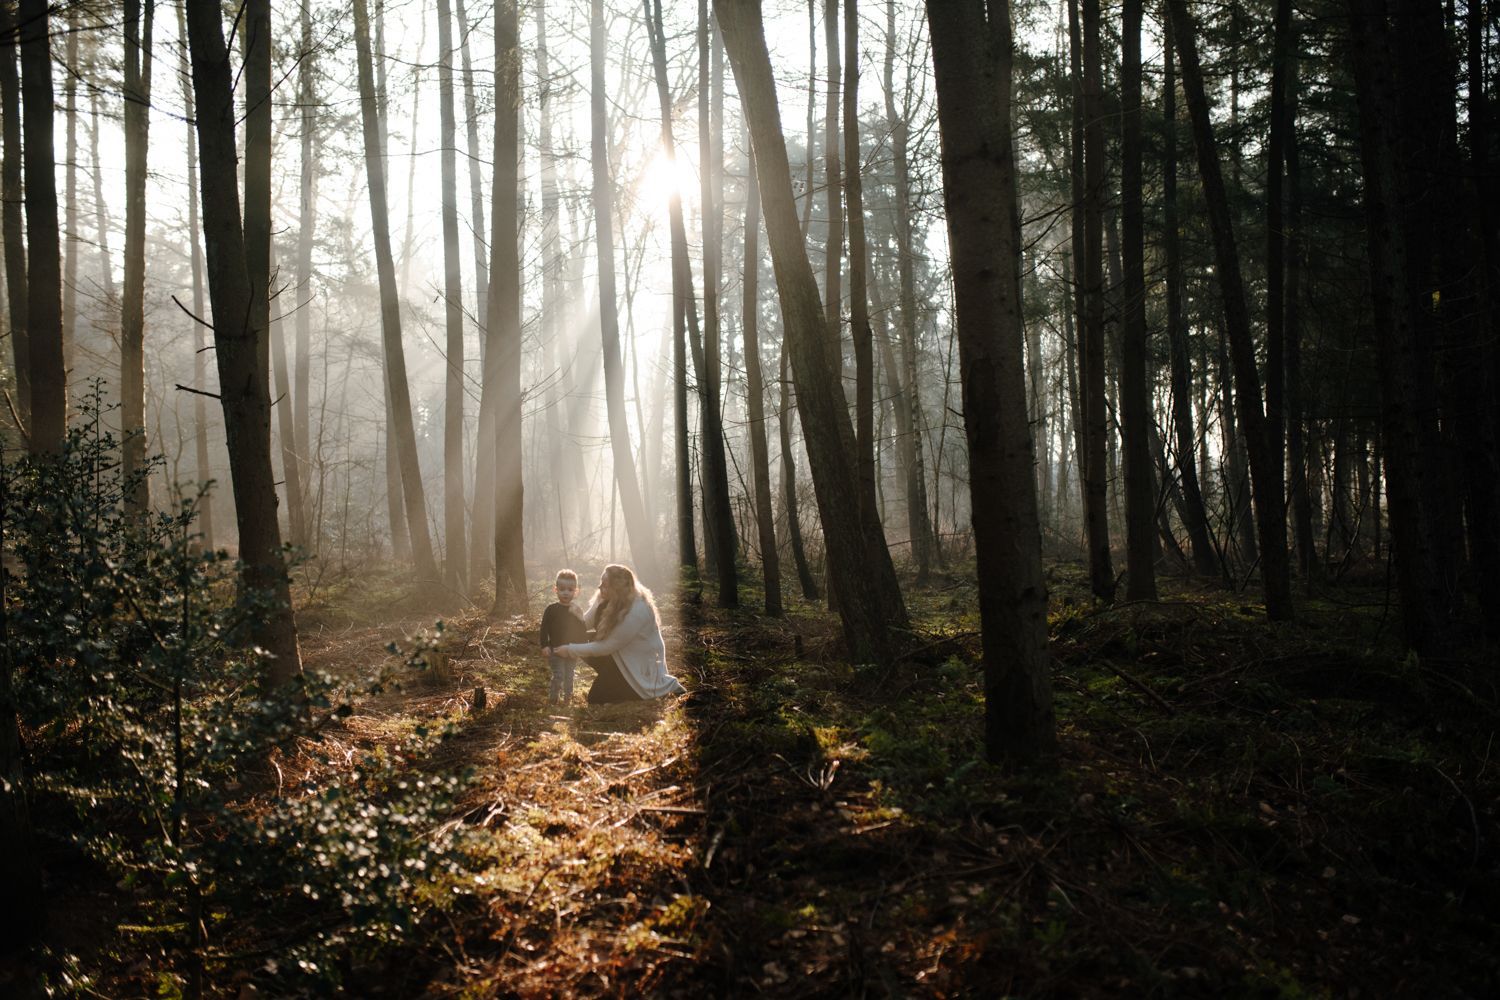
150, 734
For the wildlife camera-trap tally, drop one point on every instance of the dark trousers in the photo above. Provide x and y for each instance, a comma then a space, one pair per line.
610, 685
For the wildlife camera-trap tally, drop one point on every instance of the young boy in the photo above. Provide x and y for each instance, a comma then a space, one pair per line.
562, 623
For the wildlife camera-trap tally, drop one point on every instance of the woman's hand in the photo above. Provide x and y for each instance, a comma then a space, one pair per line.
565, 651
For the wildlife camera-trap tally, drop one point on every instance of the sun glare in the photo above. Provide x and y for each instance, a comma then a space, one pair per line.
665, 176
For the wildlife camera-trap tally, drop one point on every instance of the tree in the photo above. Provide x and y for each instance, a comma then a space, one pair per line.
682, 280
49, 391
718, 517
240, 348
1406, 377
637, 527
870, 608
1195, 518
132, 317
972, 60
1265, 471
919, 524
11, 217
307, 217
503, 319
1135, 388
402, 431
195, 254
455, 561
859, 270
760, 462
1091, 379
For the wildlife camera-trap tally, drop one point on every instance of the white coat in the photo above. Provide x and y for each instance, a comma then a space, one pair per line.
637, 648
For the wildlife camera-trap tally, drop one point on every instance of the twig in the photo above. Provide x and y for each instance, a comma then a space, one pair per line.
197, 392
1142, 687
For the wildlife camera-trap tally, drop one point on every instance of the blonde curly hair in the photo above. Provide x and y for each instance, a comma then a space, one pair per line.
618, 590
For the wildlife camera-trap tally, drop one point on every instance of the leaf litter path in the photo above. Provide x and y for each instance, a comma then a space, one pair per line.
670, 848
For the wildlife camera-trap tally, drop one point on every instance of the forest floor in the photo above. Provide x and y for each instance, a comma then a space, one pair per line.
1238, 809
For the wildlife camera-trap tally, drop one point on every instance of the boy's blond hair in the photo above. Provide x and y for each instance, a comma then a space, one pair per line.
565, 574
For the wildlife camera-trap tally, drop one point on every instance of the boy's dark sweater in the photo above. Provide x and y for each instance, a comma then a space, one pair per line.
560, 627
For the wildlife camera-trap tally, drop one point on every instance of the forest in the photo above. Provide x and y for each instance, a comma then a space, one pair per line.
808, 498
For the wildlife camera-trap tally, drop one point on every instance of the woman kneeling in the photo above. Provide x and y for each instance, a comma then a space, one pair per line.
627, 650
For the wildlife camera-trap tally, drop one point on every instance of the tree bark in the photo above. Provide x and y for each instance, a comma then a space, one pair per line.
200, 346
972, 65
1091, 346
390, 310
870, 606
859, 299
919, 523
456, 553
482, 520
306, 229
784, 416
1135, 389
503, 320
687, 551
1407, 391
637, 527
240, 347
12, 215
133, 315
49, 389
70, 192
1265, 472
1194, 514
718, 517
760, 460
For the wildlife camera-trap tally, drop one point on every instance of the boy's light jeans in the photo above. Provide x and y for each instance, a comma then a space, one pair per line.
561, 689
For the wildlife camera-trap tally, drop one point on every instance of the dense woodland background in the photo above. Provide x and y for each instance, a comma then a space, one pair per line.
949, 371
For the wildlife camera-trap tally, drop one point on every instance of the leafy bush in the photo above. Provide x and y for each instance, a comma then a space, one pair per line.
150, 734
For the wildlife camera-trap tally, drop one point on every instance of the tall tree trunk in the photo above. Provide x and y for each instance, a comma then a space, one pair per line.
456, 554
1407, 390
101, 208
70, 192
49, 392
240, 348
1091, 348
718, 517
1281, 124
200, 347
870, 606
1265, 471
306, 229
637, 527
1297, 439
12, 217
760, 460
1078, 263
482, 520
924, 545
972, 64
286, 428
687, 552
133, 315
390, 310
1136, 421
833, 179
784, 416
559, 455
1484, 533
859, 300
503, 319
1194, 514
